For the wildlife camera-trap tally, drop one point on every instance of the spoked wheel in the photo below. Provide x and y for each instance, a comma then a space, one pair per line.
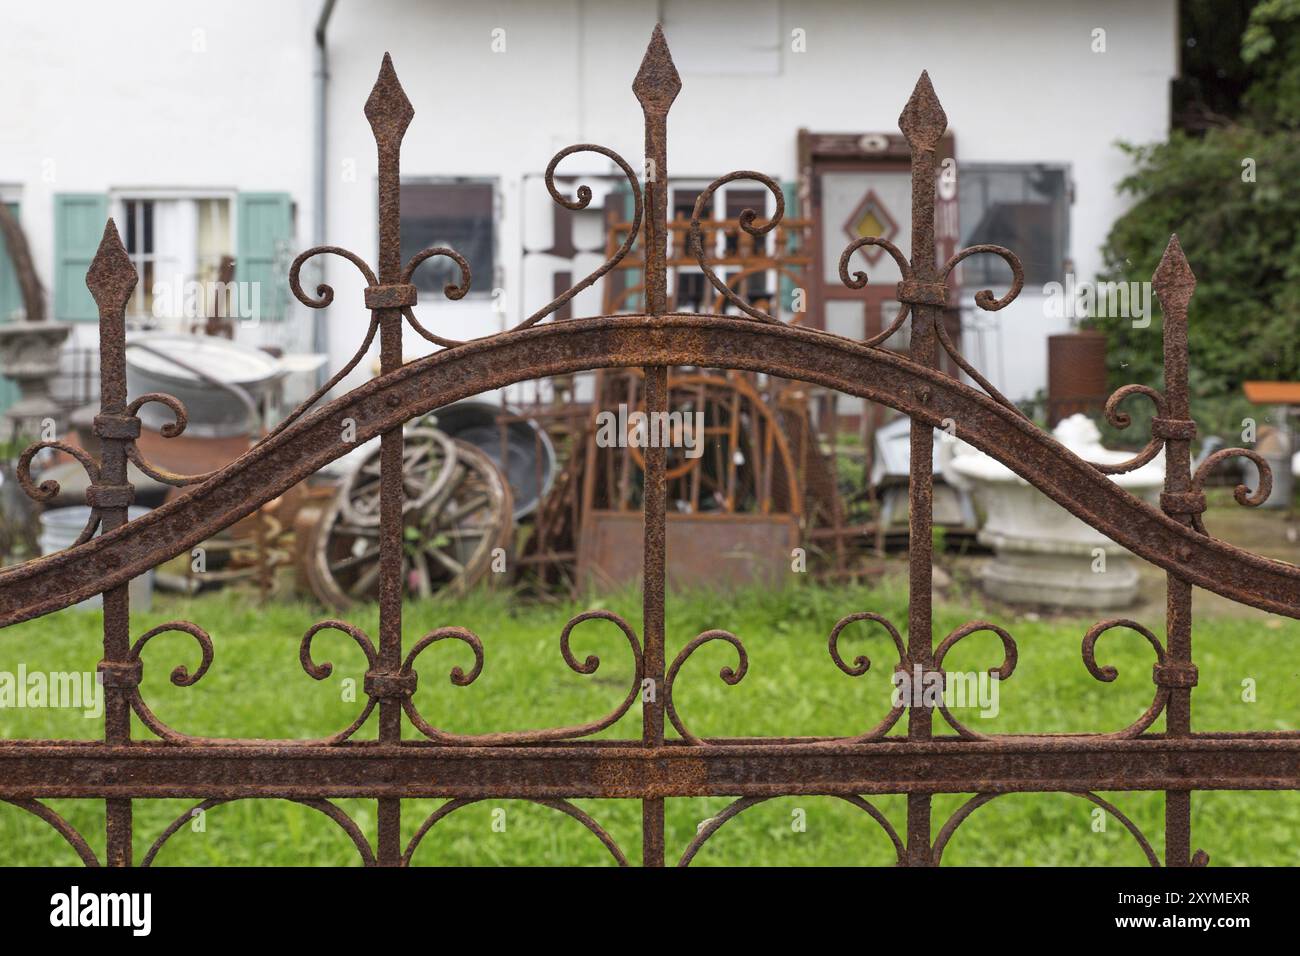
457, 511
427, 459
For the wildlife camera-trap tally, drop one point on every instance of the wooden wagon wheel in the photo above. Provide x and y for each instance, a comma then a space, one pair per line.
752, 456
448, 537
428, 460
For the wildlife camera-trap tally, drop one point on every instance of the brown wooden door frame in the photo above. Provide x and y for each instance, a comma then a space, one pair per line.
863, 152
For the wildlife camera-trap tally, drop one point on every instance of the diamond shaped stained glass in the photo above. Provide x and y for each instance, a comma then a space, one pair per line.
871, 218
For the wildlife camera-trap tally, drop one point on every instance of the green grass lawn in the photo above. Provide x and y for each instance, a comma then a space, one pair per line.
256, 688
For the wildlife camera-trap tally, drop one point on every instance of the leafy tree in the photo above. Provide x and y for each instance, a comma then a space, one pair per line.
1231, 194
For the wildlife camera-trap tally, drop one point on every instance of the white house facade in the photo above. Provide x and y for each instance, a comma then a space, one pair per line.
229, 132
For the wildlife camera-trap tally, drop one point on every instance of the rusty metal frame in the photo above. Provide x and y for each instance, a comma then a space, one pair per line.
553, 766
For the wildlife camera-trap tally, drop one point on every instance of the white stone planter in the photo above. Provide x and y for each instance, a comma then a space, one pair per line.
1044, 554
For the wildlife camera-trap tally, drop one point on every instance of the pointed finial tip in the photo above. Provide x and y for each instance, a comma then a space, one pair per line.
111, 277
657, 82
1173, 279
388, 109
923, 120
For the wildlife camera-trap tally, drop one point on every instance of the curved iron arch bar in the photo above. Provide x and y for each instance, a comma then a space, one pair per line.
977, 801
275, 464
564, 806
744, 803
60, 826
331, 810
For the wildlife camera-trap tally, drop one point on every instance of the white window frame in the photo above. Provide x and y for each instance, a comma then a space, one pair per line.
119, 197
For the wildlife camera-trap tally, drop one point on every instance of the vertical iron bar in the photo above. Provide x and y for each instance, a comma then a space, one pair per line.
656, 86
111, 279
390, 113
922, 123
1174, 283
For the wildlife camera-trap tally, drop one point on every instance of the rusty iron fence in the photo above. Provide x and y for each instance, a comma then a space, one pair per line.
554, 766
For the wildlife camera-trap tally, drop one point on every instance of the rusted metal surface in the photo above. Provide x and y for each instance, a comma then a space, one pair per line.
552, 766
719, 551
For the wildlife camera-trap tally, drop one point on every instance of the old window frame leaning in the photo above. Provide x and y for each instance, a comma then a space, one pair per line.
555, 765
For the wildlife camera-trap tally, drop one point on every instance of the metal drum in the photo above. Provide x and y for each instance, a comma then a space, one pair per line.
220, 383
526, 456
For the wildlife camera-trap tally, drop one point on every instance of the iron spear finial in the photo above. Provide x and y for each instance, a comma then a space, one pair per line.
657, 82
923, 119
1173, 281
388, 109
111, 278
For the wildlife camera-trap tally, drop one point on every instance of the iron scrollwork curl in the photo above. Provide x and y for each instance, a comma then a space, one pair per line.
505, 738
324, 669
452, 290
695, 240
859, 280
1118, 418
49, 489
730, 676
1108, 673
181, 676
1002, 672
582, 201
861, 664
1241, 494
987, 301
325, 296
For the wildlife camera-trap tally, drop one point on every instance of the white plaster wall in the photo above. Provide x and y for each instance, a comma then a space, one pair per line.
115, 95
99, 96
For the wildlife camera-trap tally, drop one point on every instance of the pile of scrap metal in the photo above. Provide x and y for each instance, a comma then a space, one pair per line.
760, 496
747, 486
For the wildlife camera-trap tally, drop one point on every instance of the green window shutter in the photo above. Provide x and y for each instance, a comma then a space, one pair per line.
633, 276
10, 299
78, 226
790, 192
265, 228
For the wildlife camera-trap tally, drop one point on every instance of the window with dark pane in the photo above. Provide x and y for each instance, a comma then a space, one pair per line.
754, 287
690, 284
1025, 208
453, 214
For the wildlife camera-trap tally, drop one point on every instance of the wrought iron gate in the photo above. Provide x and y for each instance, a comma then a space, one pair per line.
555, 765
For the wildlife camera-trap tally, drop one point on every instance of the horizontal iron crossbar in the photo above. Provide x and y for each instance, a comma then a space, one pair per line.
628, 770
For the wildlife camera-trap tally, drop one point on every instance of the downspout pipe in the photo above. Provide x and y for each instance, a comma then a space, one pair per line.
320, 330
